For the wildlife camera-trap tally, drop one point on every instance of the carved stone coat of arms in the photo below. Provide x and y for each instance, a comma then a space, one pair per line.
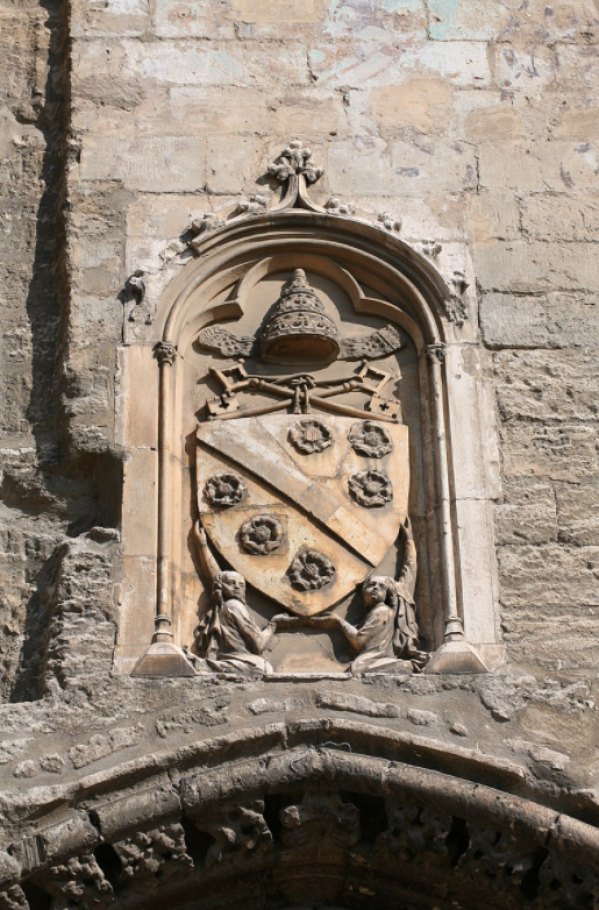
300, 497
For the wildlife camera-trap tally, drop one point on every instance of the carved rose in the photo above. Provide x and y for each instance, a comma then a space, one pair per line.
261, 535
311, 571
224, 489
371, 489
310, 436
370, 439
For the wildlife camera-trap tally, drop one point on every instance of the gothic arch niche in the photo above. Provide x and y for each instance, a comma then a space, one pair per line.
383, 329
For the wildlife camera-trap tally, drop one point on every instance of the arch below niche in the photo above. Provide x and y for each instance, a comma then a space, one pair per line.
456, 420
357, 817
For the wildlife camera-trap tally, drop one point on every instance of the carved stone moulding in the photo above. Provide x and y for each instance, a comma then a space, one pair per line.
371, 489
261, 535
224, 490
370, 439
310, 436
311, 571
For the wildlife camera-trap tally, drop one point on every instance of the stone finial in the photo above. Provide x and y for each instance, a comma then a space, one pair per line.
293, 161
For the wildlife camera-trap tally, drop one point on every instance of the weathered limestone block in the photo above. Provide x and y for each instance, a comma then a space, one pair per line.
528, 513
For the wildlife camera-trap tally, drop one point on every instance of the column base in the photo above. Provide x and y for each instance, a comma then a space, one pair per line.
163, 659
456, 657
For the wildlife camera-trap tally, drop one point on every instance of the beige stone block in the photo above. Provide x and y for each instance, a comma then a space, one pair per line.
510, 165
578, 66
139, 530
359, 167
355, 64
533, 267
498, 123
177, 19
478, 572
512, 21
566, 216
232, 166
217, 63
548, 575
564, 453
578, 513
419, 103
491, 215
432, 163
528, 513
535, 385
471, 449
530, 69
237, 110
160, 164
138, 399
513, 322
279, 11
113, 17
138, 609
573, 319
463, 63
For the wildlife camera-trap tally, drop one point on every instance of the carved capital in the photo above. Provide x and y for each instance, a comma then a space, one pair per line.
166, 353
436, 353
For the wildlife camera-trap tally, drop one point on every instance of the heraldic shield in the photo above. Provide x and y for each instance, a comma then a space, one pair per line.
303, 506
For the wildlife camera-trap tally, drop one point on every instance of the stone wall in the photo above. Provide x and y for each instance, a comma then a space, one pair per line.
473, 122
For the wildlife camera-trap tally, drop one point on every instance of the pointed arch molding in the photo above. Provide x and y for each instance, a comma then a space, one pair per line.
458, 449
349, 813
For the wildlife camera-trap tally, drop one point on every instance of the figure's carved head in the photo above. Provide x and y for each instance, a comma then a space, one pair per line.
229, 586
376, 590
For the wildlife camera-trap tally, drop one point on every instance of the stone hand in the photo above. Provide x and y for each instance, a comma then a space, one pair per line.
325, 622
285, 621
200, 533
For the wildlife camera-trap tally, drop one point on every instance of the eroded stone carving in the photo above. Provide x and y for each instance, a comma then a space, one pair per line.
371, 489
334, 206
414, 829
218, 338
378, 344
149, 857
228, 638
389, 222
370, 439
165, 352
311, 571
293, 161
299, 328
261, 535
388, 638
225, 489
254, 205
309, 436
431, 248
79, 883
455, 306
238, 830
320, 817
